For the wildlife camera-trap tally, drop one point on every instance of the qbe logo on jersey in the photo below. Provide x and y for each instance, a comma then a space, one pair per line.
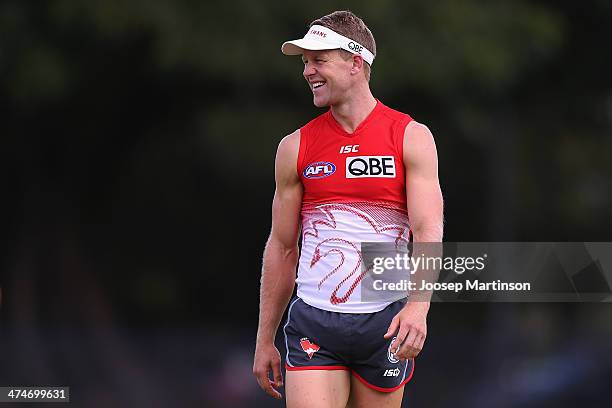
370, 166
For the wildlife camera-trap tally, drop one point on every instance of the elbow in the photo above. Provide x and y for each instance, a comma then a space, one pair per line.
286, 251
428, 232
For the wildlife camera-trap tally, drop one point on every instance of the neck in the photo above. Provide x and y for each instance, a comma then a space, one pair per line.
351, 112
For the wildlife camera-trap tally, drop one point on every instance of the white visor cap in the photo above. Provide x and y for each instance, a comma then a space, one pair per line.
322, 38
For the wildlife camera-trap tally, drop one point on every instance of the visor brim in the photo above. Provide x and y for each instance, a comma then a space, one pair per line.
297, 47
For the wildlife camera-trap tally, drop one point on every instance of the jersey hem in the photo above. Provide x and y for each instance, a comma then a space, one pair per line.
341, 310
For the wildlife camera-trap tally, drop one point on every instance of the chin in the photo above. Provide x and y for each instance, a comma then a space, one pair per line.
320, 102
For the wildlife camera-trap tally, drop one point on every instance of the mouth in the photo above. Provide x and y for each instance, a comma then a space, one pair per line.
317, 85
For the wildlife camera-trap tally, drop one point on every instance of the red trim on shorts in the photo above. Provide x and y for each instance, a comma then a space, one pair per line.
381, 389
336, 367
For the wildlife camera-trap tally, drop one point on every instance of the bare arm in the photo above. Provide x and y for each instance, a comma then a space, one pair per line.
279, 262
423, 193
425, 213
281, 252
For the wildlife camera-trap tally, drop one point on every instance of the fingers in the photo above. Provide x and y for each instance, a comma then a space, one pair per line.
266, 384
411, 327
392, 328
422, 342
410, 339
405, 348
278, 375
401, 337
412, 344
262, 374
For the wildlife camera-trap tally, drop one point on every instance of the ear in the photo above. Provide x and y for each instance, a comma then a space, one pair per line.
357, 64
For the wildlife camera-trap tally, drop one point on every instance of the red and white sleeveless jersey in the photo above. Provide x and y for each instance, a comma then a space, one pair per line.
354, 192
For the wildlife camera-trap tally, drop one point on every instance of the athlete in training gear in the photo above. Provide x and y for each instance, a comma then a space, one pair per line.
360, 172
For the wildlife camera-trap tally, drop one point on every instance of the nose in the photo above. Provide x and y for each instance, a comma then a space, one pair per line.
308, 70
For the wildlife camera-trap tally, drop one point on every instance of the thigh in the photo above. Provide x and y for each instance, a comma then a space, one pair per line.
362, 396
373, 361
317, 388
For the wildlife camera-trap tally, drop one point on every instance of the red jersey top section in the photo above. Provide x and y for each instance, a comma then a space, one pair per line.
336, 166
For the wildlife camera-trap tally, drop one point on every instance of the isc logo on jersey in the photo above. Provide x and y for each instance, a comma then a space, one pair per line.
319, 170
370, 166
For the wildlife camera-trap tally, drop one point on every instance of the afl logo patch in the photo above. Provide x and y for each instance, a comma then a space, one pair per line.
390, 354
319, 170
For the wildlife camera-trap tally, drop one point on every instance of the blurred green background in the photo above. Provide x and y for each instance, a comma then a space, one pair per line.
137, 149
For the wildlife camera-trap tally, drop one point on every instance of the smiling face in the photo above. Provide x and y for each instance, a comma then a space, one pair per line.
329, 76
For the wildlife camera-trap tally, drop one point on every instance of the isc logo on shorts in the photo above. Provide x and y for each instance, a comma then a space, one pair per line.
370, 166
391, 372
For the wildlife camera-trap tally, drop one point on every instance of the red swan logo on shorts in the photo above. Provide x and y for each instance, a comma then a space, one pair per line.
308, 347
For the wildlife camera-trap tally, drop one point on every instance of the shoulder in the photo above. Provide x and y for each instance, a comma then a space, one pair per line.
418, 141
289, 145
286, 159
417, 130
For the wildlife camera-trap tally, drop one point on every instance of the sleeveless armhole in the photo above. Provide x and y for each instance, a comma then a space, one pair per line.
400, 131
302, 151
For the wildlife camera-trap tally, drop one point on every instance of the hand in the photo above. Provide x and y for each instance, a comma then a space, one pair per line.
268, 358
410, 324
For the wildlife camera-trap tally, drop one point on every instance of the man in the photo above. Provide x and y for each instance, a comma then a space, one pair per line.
355, 174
